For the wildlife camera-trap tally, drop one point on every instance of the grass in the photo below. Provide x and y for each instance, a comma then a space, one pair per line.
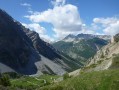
31, 83
101, 80
95, 80
115, 62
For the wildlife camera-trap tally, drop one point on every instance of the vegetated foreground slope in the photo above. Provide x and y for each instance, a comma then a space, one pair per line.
100, 80
82, 46
23, 51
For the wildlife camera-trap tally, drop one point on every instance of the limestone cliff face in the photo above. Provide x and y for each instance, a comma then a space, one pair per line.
106, 58
24, 52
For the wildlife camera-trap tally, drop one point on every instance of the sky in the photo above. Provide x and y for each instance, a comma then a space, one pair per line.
55, 19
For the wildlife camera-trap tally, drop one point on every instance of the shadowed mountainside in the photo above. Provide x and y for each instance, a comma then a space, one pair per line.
23, 51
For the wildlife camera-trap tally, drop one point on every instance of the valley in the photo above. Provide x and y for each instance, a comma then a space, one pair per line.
56, 49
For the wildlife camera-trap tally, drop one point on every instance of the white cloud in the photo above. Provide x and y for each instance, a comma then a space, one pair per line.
40, 30
35, 27
25, 4
28, 6
108, 25
58, 2
65, 19
112, 29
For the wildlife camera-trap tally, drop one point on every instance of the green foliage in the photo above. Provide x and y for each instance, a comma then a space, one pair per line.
93, 65
58, 87
99, 62
89, 67
115, 61
31, 83
13, 74
66, 76
46, 82
4, 80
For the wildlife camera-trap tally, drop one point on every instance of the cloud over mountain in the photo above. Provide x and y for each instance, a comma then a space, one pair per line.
65, 19
108, 25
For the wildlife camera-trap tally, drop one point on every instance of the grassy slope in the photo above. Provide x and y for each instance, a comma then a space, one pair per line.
101, 80
115, 62
32, 83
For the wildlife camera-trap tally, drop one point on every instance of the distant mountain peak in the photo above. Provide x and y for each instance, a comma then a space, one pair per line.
81, 36
69, 38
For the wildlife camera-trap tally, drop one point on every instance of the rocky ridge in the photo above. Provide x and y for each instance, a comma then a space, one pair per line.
106, 58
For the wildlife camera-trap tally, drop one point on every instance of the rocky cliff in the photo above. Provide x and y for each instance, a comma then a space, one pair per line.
106, 58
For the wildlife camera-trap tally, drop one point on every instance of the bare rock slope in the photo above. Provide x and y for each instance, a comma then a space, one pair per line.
106, 58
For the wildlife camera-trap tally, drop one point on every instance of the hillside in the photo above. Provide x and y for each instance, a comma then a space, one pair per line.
106, 58
101, 80
100, 73
80, 47
23, 51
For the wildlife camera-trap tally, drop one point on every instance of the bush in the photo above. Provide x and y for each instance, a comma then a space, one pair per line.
57, 88
115, 63
4, 80
13, 74
65, 76
99, 62
46, 83
102, 55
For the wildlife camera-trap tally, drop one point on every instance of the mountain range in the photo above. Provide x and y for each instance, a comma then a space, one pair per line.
81, 47
81, 36
23, 51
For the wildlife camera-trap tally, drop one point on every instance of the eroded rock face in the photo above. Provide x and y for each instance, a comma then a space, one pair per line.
105, 57
116, 38
24, 51
42, 47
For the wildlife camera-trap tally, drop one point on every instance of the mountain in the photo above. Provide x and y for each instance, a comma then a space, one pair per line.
82, 46
106, 58
71, 37
23, 51
100, 73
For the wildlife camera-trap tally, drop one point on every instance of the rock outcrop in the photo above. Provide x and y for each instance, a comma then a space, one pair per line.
106, 58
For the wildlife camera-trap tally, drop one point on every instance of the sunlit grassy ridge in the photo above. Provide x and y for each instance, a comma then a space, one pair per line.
100, 80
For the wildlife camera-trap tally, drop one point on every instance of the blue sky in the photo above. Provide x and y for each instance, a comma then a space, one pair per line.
54, 19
